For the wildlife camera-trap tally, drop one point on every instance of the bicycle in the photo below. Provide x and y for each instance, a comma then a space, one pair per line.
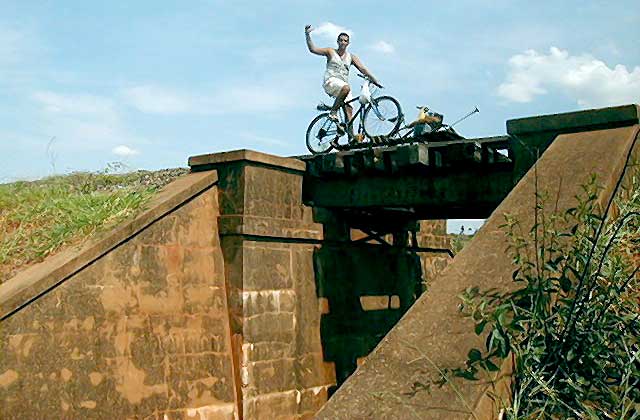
378, 117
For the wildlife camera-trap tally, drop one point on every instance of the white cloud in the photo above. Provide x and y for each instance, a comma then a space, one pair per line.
330, 31
383, 47
124, 151
585, 79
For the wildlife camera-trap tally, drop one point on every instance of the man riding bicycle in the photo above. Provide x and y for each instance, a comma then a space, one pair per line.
336, 76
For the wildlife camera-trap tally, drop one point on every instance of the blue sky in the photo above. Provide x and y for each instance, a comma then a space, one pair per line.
148, 83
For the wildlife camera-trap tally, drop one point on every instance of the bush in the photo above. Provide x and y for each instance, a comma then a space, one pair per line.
572, 327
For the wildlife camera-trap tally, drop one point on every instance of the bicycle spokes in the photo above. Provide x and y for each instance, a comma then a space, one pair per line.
383, 117
376, 111
328, 130
377, 119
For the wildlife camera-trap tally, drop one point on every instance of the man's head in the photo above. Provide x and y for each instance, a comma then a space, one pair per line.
343, 40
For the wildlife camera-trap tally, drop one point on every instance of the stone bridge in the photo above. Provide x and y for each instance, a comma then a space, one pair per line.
256, 285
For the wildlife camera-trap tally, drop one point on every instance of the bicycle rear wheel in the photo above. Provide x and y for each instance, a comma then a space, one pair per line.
383, 117
320, 133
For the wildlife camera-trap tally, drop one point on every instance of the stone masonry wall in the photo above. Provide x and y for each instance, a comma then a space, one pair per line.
214, 310
268, 238
278, 266
433, 234
283, 375
143, 332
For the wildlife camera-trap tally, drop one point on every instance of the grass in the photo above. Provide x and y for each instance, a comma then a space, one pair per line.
39, 218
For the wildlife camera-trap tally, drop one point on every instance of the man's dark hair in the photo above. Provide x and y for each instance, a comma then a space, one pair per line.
344, 34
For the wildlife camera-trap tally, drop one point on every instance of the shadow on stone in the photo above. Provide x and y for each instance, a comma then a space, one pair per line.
365, 288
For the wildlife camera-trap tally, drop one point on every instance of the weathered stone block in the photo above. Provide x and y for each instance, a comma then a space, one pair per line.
231, 188
270, 193
215, 411
270, 350
307, 367
168, 299
270, 376
199, 266
276, 406
206, 335
203, 298
191, 367
266, 267
233, 250
258, 302
311, 399
162, 233
209, 390
268, 326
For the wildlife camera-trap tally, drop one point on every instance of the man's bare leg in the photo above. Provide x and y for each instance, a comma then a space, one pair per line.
339, 102
348, 110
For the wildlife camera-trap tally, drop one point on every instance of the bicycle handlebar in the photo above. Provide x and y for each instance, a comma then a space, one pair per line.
370, 81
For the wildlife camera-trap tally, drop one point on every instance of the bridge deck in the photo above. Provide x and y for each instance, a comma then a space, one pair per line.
465, 178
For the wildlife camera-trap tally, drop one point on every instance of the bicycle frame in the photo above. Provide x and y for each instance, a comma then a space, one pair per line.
330, 132
359, 111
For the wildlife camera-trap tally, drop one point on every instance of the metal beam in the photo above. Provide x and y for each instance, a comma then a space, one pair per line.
469, 194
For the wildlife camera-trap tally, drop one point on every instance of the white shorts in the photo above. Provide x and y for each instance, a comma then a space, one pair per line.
333, 85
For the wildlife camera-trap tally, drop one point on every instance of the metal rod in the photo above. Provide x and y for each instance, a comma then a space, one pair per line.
466, 116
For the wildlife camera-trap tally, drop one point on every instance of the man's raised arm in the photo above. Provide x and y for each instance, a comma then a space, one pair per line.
313, 48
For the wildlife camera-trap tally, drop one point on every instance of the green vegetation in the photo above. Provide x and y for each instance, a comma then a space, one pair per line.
572, 326
459, 241
39, 218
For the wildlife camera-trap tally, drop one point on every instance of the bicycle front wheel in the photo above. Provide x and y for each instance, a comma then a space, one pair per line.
382, 117
320, 133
